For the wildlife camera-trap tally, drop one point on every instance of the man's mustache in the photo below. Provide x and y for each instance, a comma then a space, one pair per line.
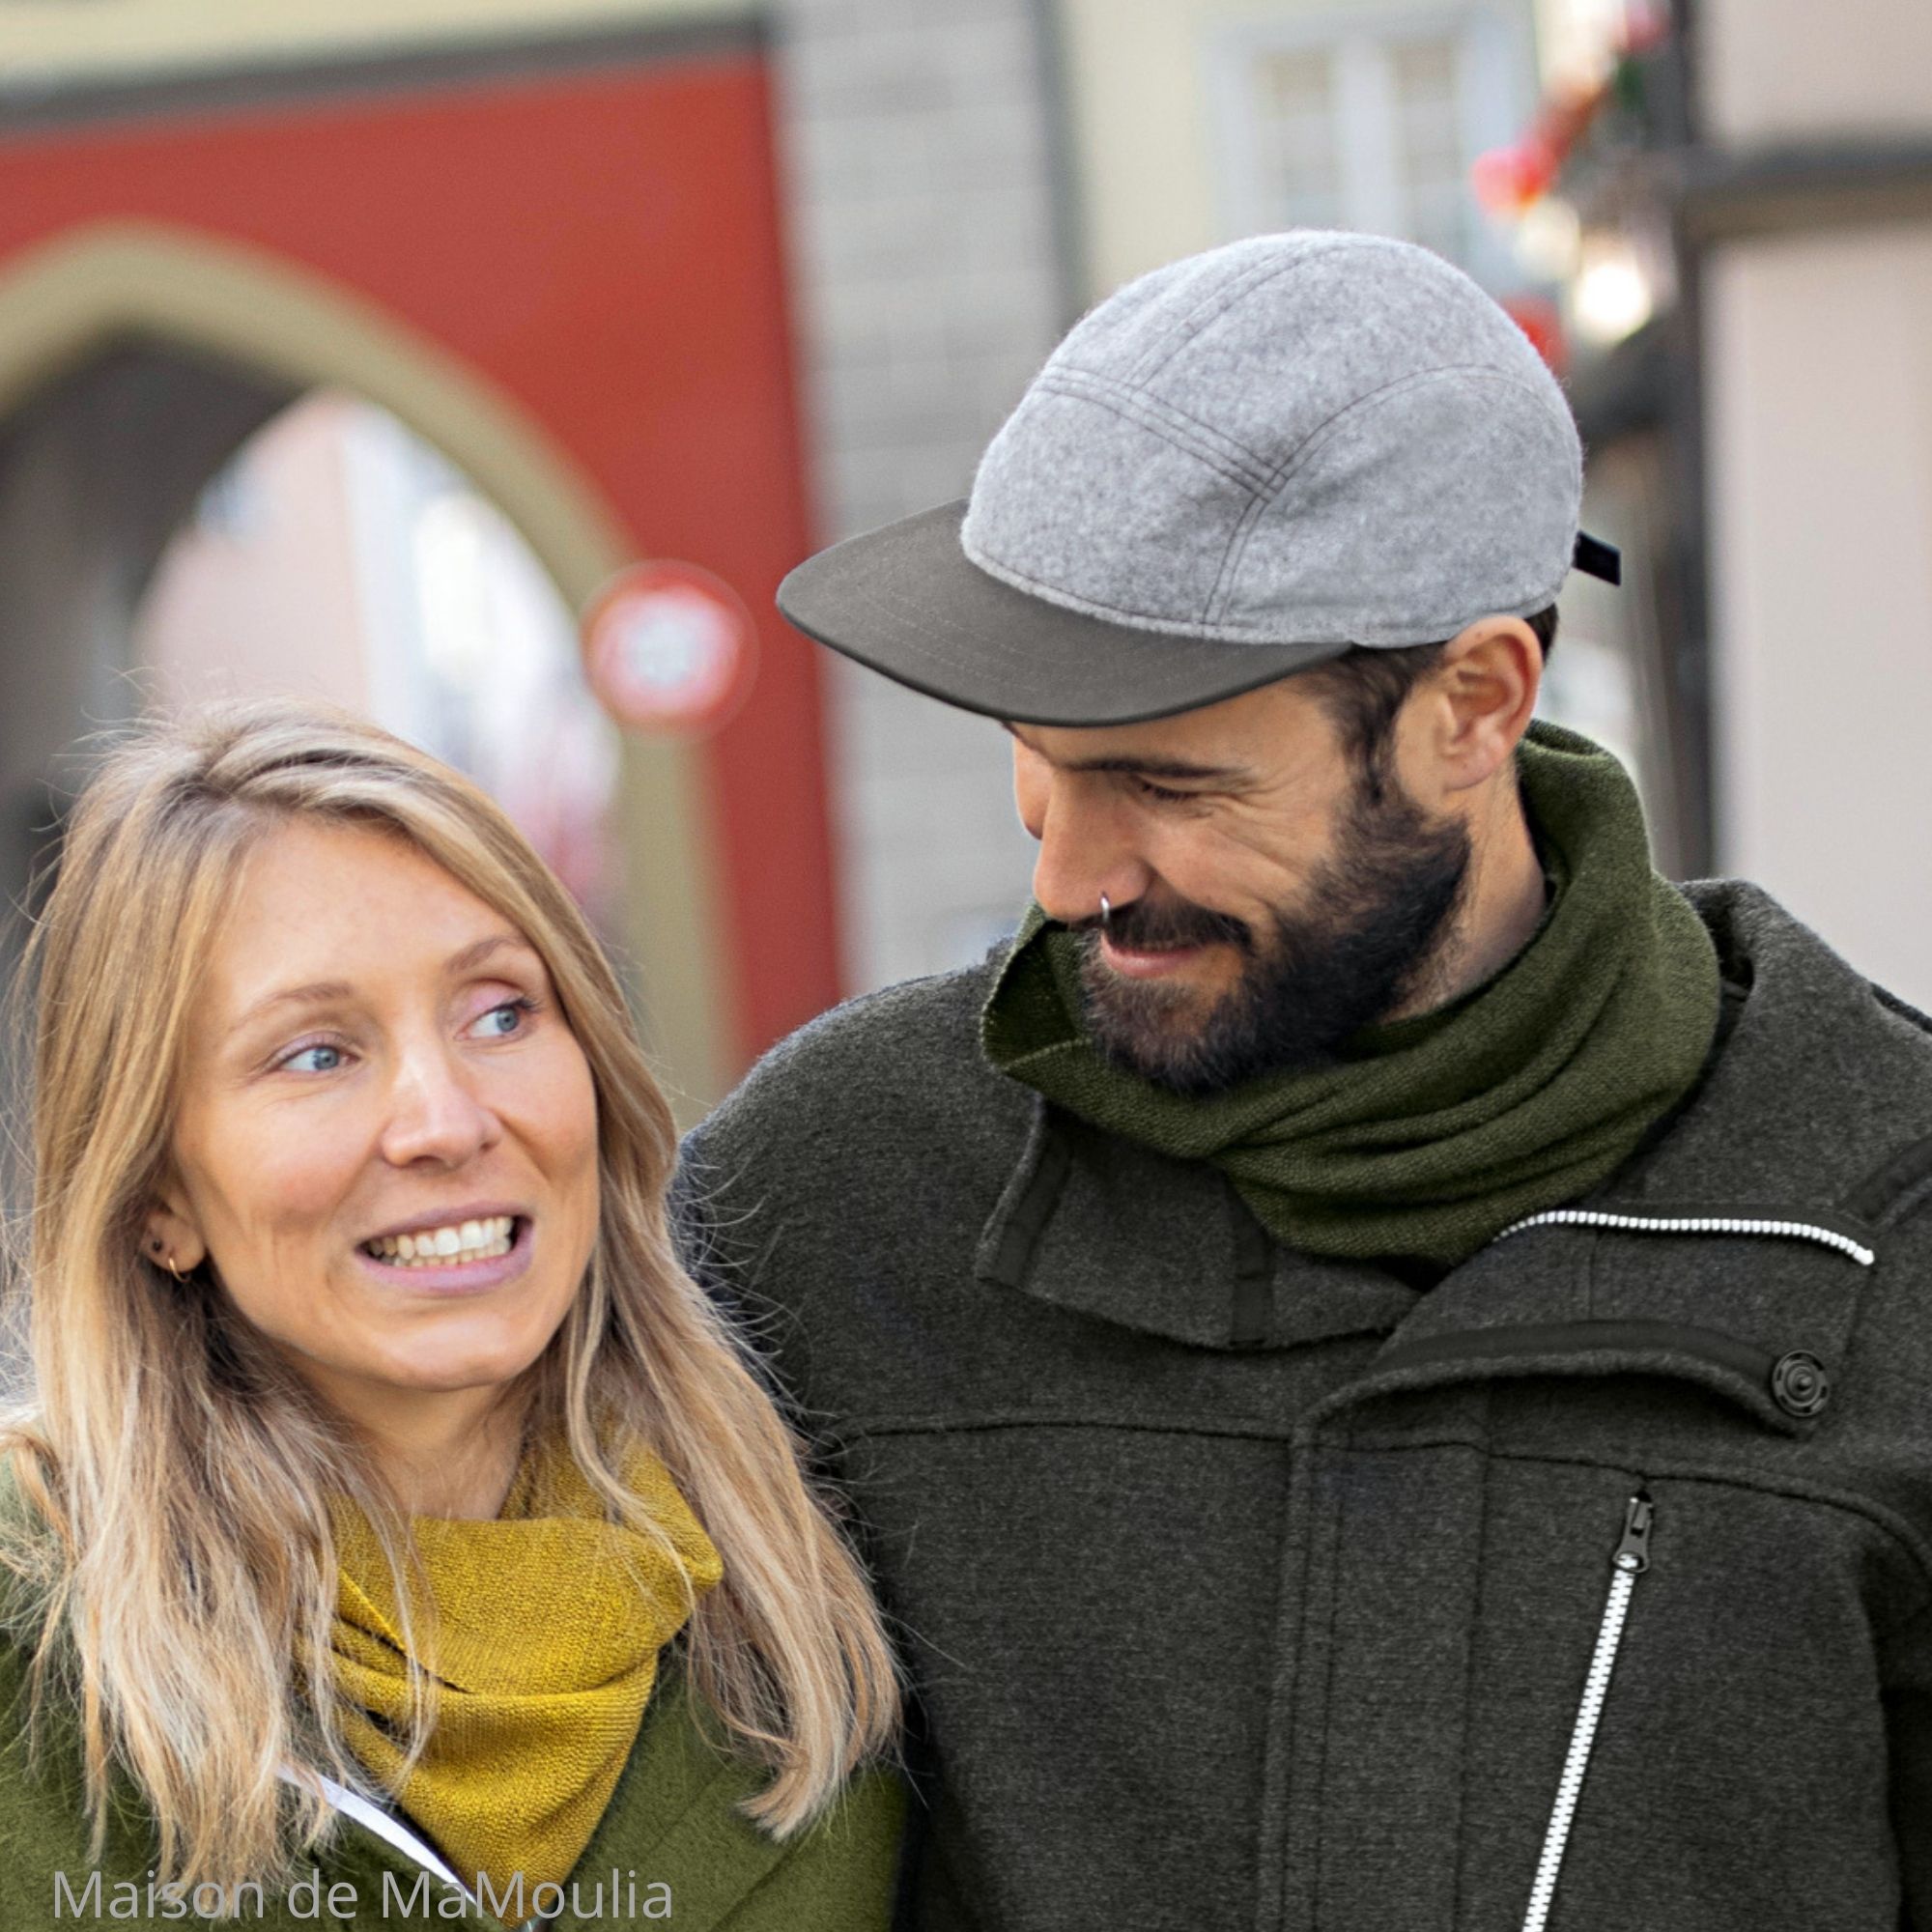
1146, 928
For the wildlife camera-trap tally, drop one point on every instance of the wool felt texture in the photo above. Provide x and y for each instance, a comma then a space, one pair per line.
1237, 465
1434, 1131
1309, 437
550, 1622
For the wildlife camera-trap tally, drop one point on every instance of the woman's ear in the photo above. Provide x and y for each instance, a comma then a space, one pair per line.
169, 1237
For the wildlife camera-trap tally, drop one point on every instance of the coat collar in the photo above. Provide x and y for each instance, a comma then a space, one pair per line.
1107, 1228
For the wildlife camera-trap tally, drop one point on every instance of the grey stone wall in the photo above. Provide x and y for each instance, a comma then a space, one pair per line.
928, 278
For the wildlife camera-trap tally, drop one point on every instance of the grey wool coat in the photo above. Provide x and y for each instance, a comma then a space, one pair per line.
1588, 1586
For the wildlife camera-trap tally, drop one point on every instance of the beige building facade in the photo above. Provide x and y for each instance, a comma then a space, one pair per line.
1817, 375
1199, 121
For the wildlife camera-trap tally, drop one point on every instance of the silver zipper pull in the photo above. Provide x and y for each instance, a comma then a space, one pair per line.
1634, 1551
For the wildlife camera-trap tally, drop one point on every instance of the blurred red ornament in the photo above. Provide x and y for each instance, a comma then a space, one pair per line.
1539, 319
1507, 180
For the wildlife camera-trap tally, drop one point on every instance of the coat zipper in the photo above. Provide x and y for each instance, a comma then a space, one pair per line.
1630, 1560
1699, 1224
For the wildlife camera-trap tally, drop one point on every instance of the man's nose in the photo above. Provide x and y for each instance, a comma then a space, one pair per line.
436, 1110
1085, 850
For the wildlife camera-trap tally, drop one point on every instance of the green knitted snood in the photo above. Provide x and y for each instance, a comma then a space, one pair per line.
1435, 1131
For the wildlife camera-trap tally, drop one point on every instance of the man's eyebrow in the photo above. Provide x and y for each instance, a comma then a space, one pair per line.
318, 990
1146, 767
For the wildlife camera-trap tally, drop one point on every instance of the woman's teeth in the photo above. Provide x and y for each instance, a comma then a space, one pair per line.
446, 1247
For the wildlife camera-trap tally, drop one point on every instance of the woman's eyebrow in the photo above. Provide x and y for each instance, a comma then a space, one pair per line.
318, 990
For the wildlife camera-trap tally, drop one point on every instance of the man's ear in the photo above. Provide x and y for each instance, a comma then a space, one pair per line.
1488, 679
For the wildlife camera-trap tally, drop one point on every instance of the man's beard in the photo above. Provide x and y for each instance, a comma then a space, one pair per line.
1363, 942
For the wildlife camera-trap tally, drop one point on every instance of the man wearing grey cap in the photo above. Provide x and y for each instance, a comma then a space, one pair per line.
1380, 1347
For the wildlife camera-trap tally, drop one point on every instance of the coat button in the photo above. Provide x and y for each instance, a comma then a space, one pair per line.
1798, 1383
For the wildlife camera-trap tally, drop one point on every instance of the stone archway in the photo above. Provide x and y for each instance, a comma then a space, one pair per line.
120, 336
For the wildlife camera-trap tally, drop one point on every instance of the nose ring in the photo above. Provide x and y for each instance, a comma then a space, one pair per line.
1106, 914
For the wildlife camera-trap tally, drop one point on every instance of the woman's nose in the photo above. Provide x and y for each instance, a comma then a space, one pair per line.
436, 1112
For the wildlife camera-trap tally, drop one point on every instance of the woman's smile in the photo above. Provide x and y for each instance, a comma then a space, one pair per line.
454, 1256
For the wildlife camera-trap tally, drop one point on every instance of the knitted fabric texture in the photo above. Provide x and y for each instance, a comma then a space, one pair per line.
1434, 1131
551, 1621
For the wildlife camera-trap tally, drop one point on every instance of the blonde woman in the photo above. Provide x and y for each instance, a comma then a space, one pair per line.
392, 1531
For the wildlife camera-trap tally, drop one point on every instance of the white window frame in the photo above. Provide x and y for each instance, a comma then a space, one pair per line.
1495, 86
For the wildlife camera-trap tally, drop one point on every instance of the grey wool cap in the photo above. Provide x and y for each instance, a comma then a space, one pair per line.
1235, 466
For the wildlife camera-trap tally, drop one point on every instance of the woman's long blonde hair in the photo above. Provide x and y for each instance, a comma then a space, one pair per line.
177, 1553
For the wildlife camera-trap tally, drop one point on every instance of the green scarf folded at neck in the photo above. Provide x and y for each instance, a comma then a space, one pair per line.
1434, 1131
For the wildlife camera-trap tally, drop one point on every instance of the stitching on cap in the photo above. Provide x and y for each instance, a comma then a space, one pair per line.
1143, 621
1209, 308
1327, 430
926, 622
1327, 426
1235, 547
1212, 306
1144, 412
1259, 472
1018, 579
1222, 633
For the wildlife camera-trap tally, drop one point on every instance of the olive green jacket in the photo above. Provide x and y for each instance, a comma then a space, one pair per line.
670, 1848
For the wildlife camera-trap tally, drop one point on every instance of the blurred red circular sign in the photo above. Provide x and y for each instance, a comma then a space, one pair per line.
668, 647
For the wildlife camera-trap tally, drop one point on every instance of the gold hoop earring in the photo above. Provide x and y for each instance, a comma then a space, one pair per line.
168, 1261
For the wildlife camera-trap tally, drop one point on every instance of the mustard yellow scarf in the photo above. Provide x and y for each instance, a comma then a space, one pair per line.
550, 1622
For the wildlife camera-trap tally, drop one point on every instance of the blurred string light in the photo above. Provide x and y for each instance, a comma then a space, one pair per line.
1611, 296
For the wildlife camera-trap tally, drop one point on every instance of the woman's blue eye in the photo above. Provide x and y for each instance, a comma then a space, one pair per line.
302, 1053
521, 1006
